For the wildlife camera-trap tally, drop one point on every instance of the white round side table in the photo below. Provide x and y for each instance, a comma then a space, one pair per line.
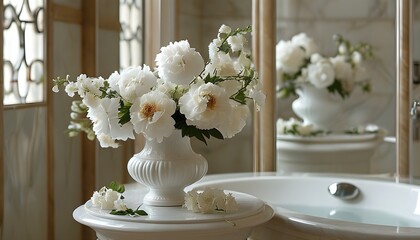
175, 222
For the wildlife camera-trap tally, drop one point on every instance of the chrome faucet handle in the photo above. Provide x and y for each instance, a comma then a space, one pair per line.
413, 111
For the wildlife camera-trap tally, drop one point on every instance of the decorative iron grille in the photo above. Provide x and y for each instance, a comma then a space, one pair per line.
23, 49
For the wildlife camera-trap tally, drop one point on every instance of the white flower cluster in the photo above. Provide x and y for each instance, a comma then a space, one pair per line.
296, 127
210, 200
108, 199
182, 92
299, 62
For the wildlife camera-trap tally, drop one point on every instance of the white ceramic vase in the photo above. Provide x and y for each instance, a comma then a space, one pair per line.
166, 168
318, 107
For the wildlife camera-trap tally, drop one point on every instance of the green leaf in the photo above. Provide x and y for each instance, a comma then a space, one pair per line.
124, 113
116, 187
215, 133
193, 131
129, 212
337, 87
141, 212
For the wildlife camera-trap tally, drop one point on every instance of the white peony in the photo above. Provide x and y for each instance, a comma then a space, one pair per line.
104, 117
205, 105
151, 115
230, 204
191, 201
136, 81
106, 141
179, 63
205, 201
316, 57
289, 57
321, 74
210, 200
306, 42
120, 205
234, 120
342, 68
222, 64
105, 198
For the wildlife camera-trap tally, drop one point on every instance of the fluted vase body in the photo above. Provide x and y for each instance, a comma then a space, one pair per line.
166, 168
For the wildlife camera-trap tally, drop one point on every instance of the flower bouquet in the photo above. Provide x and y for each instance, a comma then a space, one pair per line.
299, 64
184, 92
183, 97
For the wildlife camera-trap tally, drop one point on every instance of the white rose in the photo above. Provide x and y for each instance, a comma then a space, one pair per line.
321, 74
289, 57
306, 42
179, 63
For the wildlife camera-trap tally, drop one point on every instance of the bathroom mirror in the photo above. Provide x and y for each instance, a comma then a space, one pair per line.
368, 21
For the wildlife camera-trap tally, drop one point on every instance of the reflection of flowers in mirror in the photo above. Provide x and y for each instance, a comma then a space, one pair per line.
297, 127
299, 62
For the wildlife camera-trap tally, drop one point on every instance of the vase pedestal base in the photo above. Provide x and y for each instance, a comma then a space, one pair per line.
164, 198
175, 223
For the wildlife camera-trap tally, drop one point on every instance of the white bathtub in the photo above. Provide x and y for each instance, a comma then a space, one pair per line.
306, 210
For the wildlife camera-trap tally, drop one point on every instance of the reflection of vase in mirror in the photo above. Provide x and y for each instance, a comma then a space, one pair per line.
318, 107
367, 21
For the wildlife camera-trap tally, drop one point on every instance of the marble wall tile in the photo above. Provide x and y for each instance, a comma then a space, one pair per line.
334, 9
222, 8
